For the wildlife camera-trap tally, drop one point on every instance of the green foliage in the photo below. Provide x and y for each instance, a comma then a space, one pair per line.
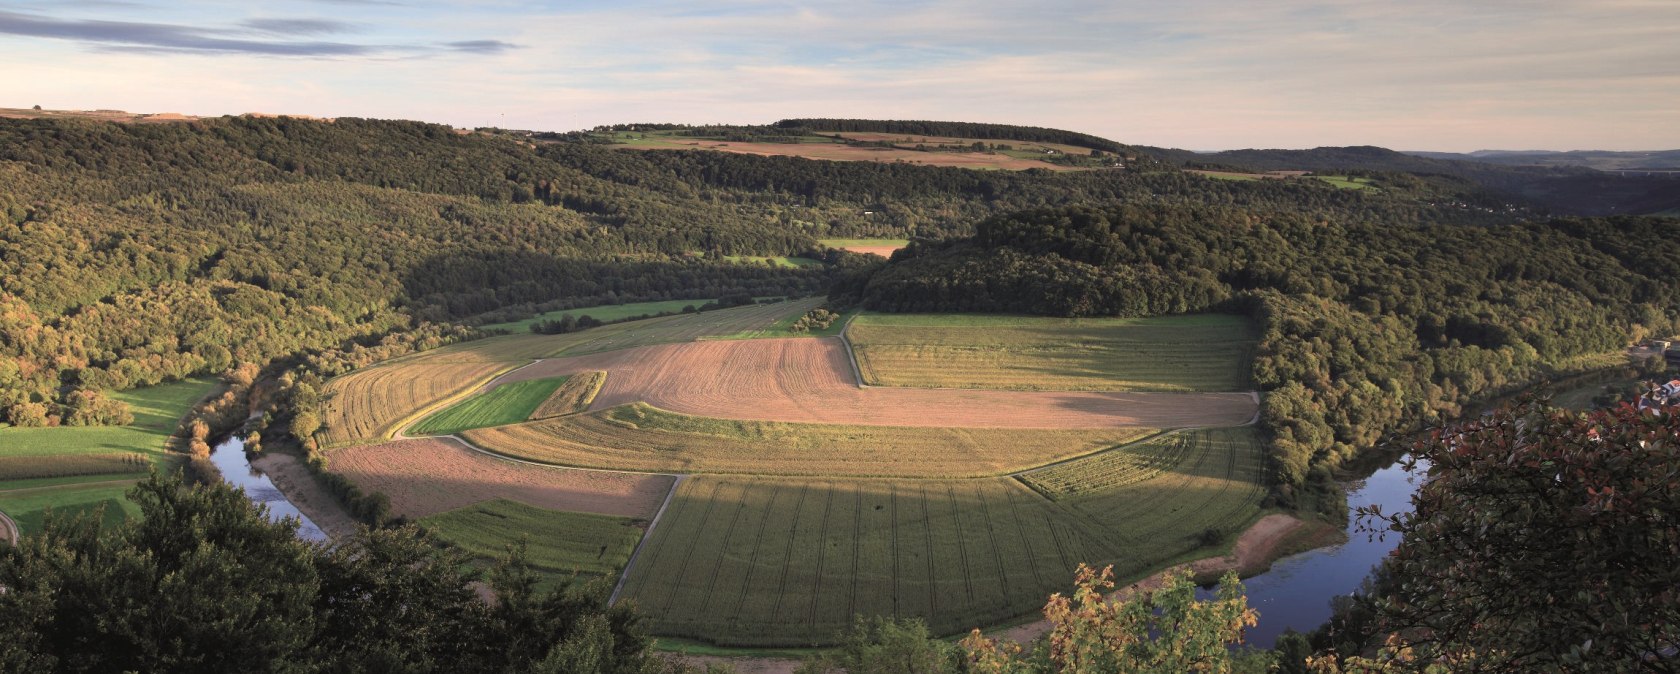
607, 314
887, 646
202, 583
508, 403
1169, 630
1542, 540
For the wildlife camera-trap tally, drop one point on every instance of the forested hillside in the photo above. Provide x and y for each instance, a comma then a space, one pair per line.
1367, 328
1564, 190
133, 254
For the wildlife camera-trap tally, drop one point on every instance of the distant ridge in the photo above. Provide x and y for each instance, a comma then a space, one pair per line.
978, 130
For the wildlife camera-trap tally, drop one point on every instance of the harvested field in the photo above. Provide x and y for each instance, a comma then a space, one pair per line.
28, 467
881, 247
559, 543
1114, 468
369, 404
766, 562
605, 312
1208, 352
810, 381
639, 437
662, 330
572, 397
499, 406
429, 476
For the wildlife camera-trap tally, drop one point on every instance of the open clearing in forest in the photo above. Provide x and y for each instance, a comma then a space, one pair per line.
881, 247
788, 562
1204, 352
558, 543
433, 475
502, 405
810, 381
643, 438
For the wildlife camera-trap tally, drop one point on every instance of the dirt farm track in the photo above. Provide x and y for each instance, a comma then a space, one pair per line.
810, 380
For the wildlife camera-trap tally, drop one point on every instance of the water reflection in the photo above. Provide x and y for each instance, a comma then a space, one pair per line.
229, 457
1296, 592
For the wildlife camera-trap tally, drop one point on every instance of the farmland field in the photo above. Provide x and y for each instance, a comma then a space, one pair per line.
1207, 352
369, 404
508, 404
75, 468
881, 247
762, 562
559, 543
811, 381
433, 475
572, 397
639, 437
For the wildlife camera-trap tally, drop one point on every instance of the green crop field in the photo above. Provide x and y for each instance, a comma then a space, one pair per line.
509, 403
558, 543
1205, 352
606, 312
761, 562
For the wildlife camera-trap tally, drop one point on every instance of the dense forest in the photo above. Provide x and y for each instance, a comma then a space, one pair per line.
1367, 328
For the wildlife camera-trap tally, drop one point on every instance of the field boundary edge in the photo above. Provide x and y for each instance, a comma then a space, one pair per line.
624, 576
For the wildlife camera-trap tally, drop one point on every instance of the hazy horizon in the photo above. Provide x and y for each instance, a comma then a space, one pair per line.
1430, 76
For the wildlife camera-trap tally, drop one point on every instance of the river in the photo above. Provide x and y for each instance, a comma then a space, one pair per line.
229, 457
1296, 592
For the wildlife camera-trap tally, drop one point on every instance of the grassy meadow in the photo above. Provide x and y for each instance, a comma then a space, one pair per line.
509, 403
78, 468
1204, 352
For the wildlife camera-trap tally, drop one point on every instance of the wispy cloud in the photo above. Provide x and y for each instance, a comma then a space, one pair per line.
297, 26
259, 36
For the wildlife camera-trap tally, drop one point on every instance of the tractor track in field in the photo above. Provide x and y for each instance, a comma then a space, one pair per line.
8, 529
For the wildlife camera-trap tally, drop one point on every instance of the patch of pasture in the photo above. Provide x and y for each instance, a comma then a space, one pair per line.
509, 403
782, 261
1207, 352
370, 404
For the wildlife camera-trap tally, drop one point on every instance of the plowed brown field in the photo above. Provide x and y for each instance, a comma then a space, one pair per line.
810, 380
434, 475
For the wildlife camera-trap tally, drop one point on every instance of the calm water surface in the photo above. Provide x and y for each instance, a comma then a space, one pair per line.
229, 457
1296, 593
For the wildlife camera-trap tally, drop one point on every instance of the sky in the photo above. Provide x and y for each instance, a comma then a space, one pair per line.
1449, 75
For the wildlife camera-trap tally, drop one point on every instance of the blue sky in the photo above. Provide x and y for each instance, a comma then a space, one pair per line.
1200, 74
